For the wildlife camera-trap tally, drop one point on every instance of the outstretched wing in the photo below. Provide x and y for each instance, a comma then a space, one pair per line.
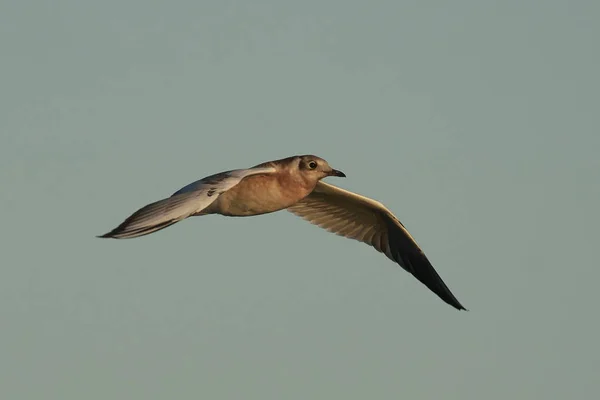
187, 201
356, 217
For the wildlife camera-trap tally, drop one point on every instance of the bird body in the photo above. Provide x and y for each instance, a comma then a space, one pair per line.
294, 184
261, 194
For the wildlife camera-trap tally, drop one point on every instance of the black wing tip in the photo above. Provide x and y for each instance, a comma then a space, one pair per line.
447, 296
421, 268
118, 232
124, 231
109, 235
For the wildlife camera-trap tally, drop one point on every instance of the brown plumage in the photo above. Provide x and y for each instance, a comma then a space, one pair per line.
292, 183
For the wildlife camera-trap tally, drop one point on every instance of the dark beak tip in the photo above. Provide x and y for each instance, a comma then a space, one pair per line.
340, 174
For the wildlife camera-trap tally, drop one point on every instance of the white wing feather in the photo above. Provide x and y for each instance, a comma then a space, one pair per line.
187, 201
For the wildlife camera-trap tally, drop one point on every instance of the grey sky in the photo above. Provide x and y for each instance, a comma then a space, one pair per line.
474, 121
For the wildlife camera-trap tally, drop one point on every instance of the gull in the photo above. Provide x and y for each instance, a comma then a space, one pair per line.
293, 184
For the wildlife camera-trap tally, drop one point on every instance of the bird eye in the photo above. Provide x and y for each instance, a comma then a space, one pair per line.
312, 165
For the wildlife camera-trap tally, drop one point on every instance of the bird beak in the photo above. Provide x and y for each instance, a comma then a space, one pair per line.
335, 172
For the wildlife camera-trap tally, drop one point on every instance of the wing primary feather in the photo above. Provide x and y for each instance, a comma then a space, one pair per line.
122, 232
366, 220
412, 258
151, 218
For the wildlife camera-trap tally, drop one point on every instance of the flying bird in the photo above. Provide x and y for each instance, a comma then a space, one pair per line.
293, 184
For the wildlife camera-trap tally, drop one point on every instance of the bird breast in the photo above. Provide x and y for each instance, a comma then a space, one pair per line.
261, 194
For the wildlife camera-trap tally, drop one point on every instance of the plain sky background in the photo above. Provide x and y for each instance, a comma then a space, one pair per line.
476, 122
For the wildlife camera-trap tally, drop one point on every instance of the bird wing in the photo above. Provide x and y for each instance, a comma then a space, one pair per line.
187, 201
357, 217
